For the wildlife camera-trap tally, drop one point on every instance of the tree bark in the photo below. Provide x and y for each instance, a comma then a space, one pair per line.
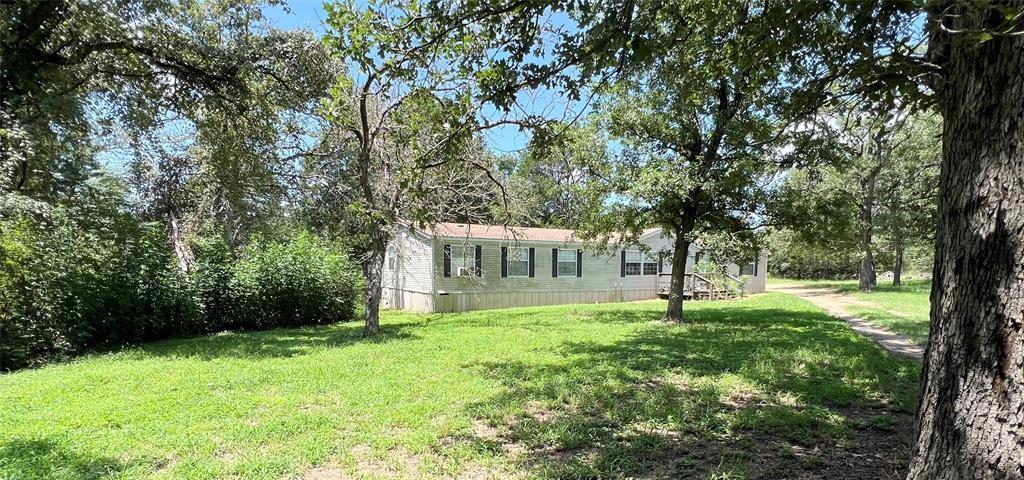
971, 415
897, 269
677, 286
867, 229
867, 271
373, 270
182, 252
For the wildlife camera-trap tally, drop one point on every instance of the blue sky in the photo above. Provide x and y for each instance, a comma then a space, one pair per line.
304, 14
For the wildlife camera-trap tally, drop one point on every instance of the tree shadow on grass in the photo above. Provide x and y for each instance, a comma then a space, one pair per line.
45, 459
275, 343
747, 392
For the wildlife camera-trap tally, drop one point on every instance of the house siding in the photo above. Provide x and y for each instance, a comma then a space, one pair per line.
410, 286
419, 284
756, 283
600, 281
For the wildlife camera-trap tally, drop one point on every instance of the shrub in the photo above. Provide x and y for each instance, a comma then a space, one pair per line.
303, 281
66, 289
67, 286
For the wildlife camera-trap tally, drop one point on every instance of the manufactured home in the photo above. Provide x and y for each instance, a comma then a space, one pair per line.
455, 267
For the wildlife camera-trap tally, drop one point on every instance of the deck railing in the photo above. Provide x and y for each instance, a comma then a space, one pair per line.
709, 285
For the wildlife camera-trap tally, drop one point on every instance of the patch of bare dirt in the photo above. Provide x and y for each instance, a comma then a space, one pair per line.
325, 472
877, 447
367, 464
397, 463
538, 412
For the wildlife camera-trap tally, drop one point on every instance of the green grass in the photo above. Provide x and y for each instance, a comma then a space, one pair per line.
902, 309
763, 386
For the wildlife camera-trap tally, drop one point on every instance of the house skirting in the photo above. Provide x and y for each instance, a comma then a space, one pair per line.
398, 299
469, 300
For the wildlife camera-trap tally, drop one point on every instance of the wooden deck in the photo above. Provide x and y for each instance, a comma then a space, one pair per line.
704, 286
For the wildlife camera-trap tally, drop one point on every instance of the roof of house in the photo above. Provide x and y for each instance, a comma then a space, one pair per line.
501, 232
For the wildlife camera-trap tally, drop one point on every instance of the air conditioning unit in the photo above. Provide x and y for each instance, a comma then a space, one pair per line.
464, 272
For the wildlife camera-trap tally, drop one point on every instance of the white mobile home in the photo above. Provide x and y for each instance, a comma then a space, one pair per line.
460, 267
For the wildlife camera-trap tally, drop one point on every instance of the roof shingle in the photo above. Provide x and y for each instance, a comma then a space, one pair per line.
510, 233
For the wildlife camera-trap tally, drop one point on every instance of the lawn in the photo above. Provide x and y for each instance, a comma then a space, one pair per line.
764, 387
902, 309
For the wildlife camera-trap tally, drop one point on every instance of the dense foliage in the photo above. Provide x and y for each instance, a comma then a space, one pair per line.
876, 203
93, 276
300, 282
792, 256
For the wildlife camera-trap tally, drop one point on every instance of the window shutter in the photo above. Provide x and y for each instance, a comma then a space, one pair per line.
622, 263
554, 262
504, 262
661, 263
447, 260
756, 261
479, 260
532, 257
579, 263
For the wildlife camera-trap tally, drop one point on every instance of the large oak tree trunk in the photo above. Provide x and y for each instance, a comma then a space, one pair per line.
971, 417
677, 286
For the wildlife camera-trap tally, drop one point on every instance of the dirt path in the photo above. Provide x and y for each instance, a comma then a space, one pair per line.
835, 304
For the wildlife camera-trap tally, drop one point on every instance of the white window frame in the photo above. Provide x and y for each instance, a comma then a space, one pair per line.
392, 258
643, 260
638, 259
524, 258
574, 262
466, 260
649, 261
753, 269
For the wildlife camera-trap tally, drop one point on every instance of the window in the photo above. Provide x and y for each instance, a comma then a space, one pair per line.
518, 262
566, 263
637, 263
634, 263
392, 258
749, 269
650, 266
464, 259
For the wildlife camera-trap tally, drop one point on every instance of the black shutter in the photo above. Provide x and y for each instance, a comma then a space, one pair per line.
532, 258
756, 261
554, 262
622, 263
504, 262
579, 263
479, 261
447, 260
661, 263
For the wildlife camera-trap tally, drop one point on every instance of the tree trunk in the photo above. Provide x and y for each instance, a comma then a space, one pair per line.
971, 416
897, 269
867, 271
867, 228
373, 270
182, 252
677, 286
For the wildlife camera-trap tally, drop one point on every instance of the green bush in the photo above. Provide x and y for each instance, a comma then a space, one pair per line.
69, 286
66, 289
296, 283
303, 281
